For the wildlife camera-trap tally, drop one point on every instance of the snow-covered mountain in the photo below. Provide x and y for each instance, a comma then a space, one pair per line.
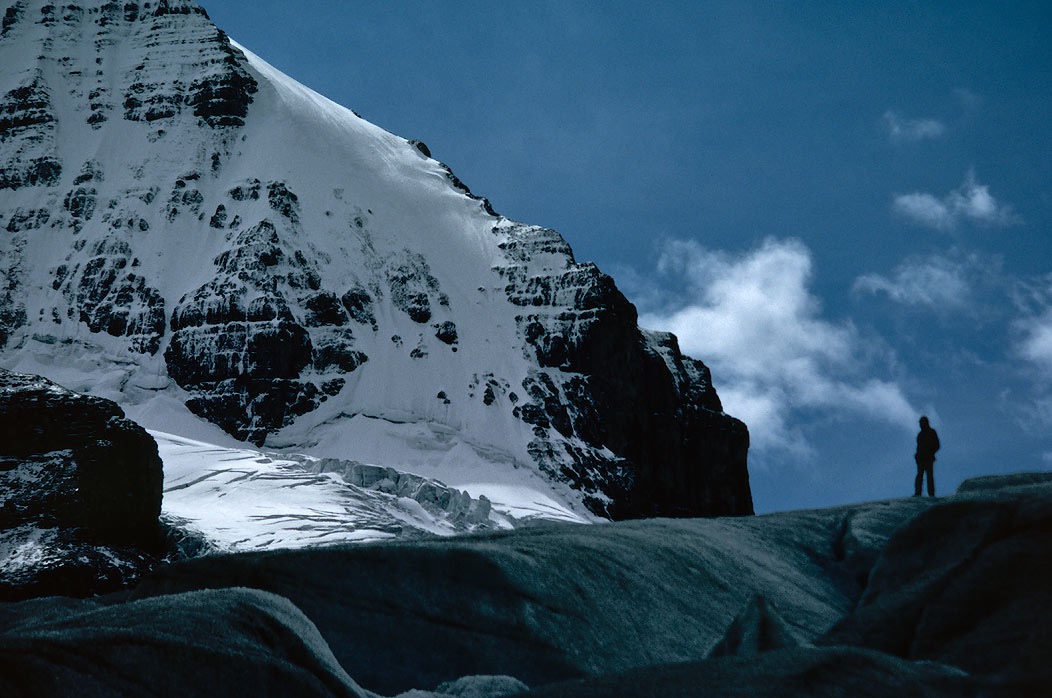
189, 232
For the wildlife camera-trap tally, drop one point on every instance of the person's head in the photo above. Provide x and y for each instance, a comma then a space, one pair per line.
924, 423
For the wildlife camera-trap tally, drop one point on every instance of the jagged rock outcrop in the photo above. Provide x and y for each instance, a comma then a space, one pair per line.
181, 220
80, 491
75, 461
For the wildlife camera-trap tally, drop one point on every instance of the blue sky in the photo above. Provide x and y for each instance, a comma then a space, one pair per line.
844, 209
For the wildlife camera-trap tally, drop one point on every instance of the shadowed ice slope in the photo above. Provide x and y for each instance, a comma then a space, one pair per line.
559, 601
839, 672
238, 642
968, 583
921, 597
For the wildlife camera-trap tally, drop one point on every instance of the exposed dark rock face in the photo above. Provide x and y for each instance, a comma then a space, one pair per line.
446, 332
12, 305
112, 469
11, 15
110, 296
27, 132
221, 90
243, 342
23, 108
614, 386
358, 303
413, 287
79, 484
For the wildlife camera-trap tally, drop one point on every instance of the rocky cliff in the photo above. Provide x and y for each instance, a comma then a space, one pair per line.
181, 222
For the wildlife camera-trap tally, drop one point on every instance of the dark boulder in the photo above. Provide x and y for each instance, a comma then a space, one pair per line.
80, 490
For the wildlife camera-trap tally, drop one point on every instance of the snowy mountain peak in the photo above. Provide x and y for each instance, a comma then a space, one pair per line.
186, 228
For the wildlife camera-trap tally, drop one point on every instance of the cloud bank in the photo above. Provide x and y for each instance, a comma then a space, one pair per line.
1034, 326
936, 282
903, 130
970, 202
776, 362
1036, 345
1031, 349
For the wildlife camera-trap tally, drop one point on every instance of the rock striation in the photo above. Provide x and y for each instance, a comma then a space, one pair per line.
180, 221
80, 491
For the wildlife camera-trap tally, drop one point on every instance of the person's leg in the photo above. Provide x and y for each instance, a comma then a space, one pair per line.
918, 481
930, 468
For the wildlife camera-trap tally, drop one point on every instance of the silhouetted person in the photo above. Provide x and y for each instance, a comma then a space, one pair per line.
927, 445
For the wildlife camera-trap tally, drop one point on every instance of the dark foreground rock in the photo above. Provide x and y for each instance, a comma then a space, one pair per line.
558, 601
911, 597
839, 672
80, 491
235, 642
967, 583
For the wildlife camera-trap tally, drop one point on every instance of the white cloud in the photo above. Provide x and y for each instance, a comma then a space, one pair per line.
936, 282
775, 361
971, 201
926, 210
1035, 348
1035, 344
902, 130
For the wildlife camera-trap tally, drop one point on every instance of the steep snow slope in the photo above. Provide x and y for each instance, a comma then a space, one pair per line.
185, 228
